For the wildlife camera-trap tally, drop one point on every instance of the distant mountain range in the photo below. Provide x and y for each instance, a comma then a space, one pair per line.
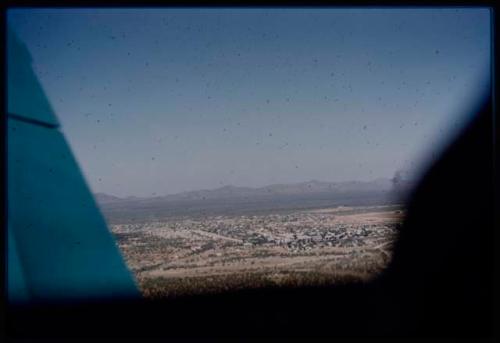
228, 192
103, 198
247, 200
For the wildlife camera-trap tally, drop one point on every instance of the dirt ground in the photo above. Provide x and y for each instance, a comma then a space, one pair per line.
212, 254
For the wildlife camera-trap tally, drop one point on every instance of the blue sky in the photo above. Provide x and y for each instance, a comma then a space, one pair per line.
159, 101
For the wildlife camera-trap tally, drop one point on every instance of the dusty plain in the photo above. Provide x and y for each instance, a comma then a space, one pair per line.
182, 256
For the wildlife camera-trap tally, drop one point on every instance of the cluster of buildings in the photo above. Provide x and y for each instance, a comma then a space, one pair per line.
297, 232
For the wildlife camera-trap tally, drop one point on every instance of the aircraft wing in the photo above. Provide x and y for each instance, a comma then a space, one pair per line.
58, 245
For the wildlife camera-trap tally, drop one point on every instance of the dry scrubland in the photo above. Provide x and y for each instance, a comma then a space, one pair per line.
216, 253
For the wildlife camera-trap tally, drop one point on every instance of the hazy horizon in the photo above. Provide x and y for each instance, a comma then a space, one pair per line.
246, 186
163, 101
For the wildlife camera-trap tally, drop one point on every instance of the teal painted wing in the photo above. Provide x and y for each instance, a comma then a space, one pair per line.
59, 247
